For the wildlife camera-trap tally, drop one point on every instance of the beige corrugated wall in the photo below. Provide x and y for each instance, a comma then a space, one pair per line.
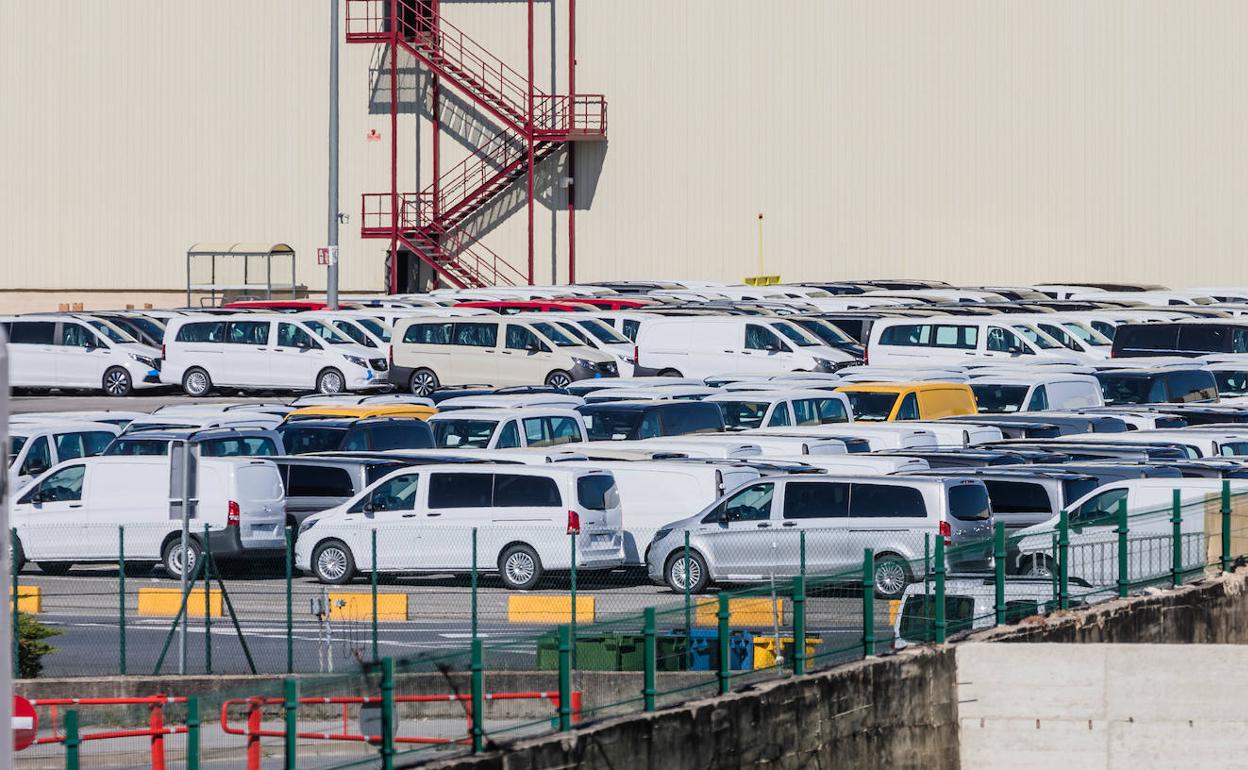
980, 141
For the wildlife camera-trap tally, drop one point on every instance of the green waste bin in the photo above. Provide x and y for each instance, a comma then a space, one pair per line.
614, 652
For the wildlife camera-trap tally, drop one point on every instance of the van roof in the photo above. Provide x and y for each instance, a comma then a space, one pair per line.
497, 413
899, 387
362, 411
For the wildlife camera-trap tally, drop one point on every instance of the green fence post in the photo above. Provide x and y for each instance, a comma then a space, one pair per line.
290, 610
373, 581
927, 560
1063, 561
121, 599
13, 569
799, 625
998, 563
1226, 526
192, 733
647, 686
1124, 556
868, 603
801, 552
478, 698
474, 582
1176, 536
71, 739
572, 578
387, 713
207, 608
688, 602
1053, 567
565, 678
292, 723
940, 590
725, 671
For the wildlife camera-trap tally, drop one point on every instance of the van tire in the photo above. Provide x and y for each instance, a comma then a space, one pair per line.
171, 553
330, 381
333, 563
423, 382
117, 382
892, 575
673, 572
670, 373
55, 567
559, 379
520, 567
196, 382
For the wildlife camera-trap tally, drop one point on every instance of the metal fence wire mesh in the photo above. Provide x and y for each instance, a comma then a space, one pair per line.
427, 666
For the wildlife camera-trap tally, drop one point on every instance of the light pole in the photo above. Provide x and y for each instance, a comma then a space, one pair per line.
331, 278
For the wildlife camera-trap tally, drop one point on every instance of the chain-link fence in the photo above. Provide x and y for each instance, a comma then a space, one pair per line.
462, 663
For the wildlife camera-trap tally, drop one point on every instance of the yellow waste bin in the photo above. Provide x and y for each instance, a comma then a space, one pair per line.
765, 650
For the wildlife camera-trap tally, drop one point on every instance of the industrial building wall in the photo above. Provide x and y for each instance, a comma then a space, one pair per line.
990, 141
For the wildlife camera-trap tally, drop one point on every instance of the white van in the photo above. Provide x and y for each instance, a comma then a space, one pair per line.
593, 333
506, 428
653, 493
362, 327
879, 436
775, 408
430, 352
773, 444
261, 351
70, 514
524, 515
1035, 392
698, 346
34, 447
960, 340
51, 351
864, 464
1093, 521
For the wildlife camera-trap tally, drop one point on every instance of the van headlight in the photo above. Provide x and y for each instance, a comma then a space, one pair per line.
306, 525
360, 362
582, 363
831, 366
150, 363
662, 533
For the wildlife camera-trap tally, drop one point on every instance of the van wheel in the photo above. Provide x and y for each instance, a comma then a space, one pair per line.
677, 575
520, 568
171, 556
892, 575
55, 567
1039, 567
423, 382
196, 382
330, 381
117, 382
670, 373
559, 379
332, 563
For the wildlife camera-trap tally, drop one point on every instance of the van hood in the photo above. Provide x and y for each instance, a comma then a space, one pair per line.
137, 348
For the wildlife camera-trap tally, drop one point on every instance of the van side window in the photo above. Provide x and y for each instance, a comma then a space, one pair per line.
509, 438
1190, 385
1239, 340
535, 432
64, 485
75, 336
521, 338
563, 430
291, 336
630, 329
247, 333
907, 335
750, 504
516, 491
780, 416
38, 459
761, 338
819, 411
428, 334
965, 337
692, 417
318, 481
210, 331
649, 426
909, 409
815, 500
1039, 400
32, 332
475, 335
460, 490
1204, 338
1018, 497
875, 501
71, 446
397, 494
1101, 506
1004, 341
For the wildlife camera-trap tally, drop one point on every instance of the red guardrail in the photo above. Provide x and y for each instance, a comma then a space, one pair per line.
156, 727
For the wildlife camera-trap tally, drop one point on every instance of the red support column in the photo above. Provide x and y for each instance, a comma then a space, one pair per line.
437, 116
571, 188
529, 140
395, 33
156, 724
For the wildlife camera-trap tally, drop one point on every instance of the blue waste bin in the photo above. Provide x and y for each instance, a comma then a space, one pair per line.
704, 650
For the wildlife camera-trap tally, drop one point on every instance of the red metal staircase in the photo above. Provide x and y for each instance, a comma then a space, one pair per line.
436, 223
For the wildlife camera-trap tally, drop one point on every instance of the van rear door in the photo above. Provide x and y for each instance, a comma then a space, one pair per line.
261, 504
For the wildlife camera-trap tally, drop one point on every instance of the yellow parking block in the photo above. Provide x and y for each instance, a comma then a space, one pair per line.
165, 602
893, 606
741, 612
359, 606
549, 609
29, 599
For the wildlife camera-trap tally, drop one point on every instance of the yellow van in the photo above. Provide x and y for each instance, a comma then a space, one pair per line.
360, 412
880, 401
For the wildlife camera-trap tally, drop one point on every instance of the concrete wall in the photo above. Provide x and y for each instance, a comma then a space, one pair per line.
1137, 706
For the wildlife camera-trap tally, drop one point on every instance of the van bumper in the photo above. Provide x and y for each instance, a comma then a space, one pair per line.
228, 544
605, 369
400, 376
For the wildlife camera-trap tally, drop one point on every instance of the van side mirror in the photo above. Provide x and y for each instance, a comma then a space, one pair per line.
534, 346
36, 497
369, 508
1015, 350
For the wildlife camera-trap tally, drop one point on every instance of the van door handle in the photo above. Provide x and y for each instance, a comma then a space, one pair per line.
409, 515
764, 525
75, 505
789, 524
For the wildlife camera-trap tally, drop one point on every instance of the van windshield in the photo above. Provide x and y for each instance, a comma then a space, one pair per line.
743, 415
302, 439
603, 332
999, 399
15, 445
238, 446
327, 332
825, 331
795, 335
1121, 389
455, 434
138, 447
110, 332
597, 492
1036, 338
611, 426
871, 406
378, 329
1088, 336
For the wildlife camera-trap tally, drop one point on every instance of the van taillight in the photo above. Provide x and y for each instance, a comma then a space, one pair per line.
163, 354
390, 352
574, 523
946, 532
636, 356
235, 515
866, 355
